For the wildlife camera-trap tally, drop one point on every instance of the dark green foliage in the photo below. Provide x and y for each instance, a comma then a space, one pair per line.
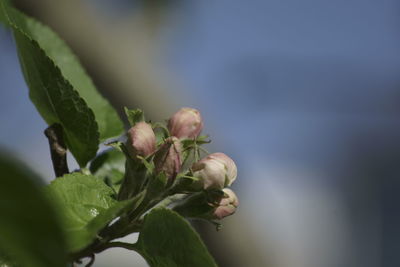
81, 213
85, 204
30, 233
59, 87
110, 167
168, 240
55, 48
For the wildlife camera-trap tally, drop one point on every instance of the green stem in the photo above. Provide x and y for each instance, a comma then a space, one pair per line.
125, 225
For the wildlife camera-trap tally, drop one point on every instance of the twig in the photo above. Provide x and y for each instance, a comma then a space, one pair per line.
58, 149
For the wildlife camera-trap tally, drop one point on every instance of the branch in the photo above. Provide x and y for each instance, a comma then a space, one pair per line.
58, 149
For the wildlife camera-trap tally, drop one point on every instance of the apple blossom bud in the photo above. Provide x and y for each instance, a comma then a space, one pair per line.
168, 158
141, 140
227, 205
215, 171
186, 123
208, 205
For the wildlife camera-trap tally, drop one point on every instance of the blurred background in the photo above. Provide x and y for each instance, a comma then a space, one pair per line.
304, 95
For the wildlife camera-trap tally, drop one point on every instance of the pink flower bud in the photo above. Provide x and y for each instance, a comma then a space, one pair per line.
215, 171
186, 123
168, 158
141, 140
227, 205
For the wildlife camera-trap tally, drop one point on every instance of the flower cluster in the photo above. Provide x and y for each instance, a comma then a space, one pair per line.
170, 155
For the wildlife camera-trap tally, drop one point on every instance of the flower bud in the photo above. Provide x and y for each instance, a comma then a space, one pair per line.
168, 158
141, 140
227, 205
215, 171
186, 123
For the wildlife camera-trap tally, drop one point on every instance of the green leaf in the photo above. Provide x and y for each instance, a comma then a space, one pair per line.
6, 261
168, 240
201, 140
4, 264
108, 160
161, 132
109, 123
134, 115
195, 206
134, 179
3, 20
29, 231
110, 167
157, 186
86, 205
54, 97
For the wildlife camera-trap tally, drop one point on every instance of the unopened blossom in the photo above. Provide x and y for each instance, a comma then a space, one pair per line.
215, 171
227, 205
186, 123
141, 140
168, 158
